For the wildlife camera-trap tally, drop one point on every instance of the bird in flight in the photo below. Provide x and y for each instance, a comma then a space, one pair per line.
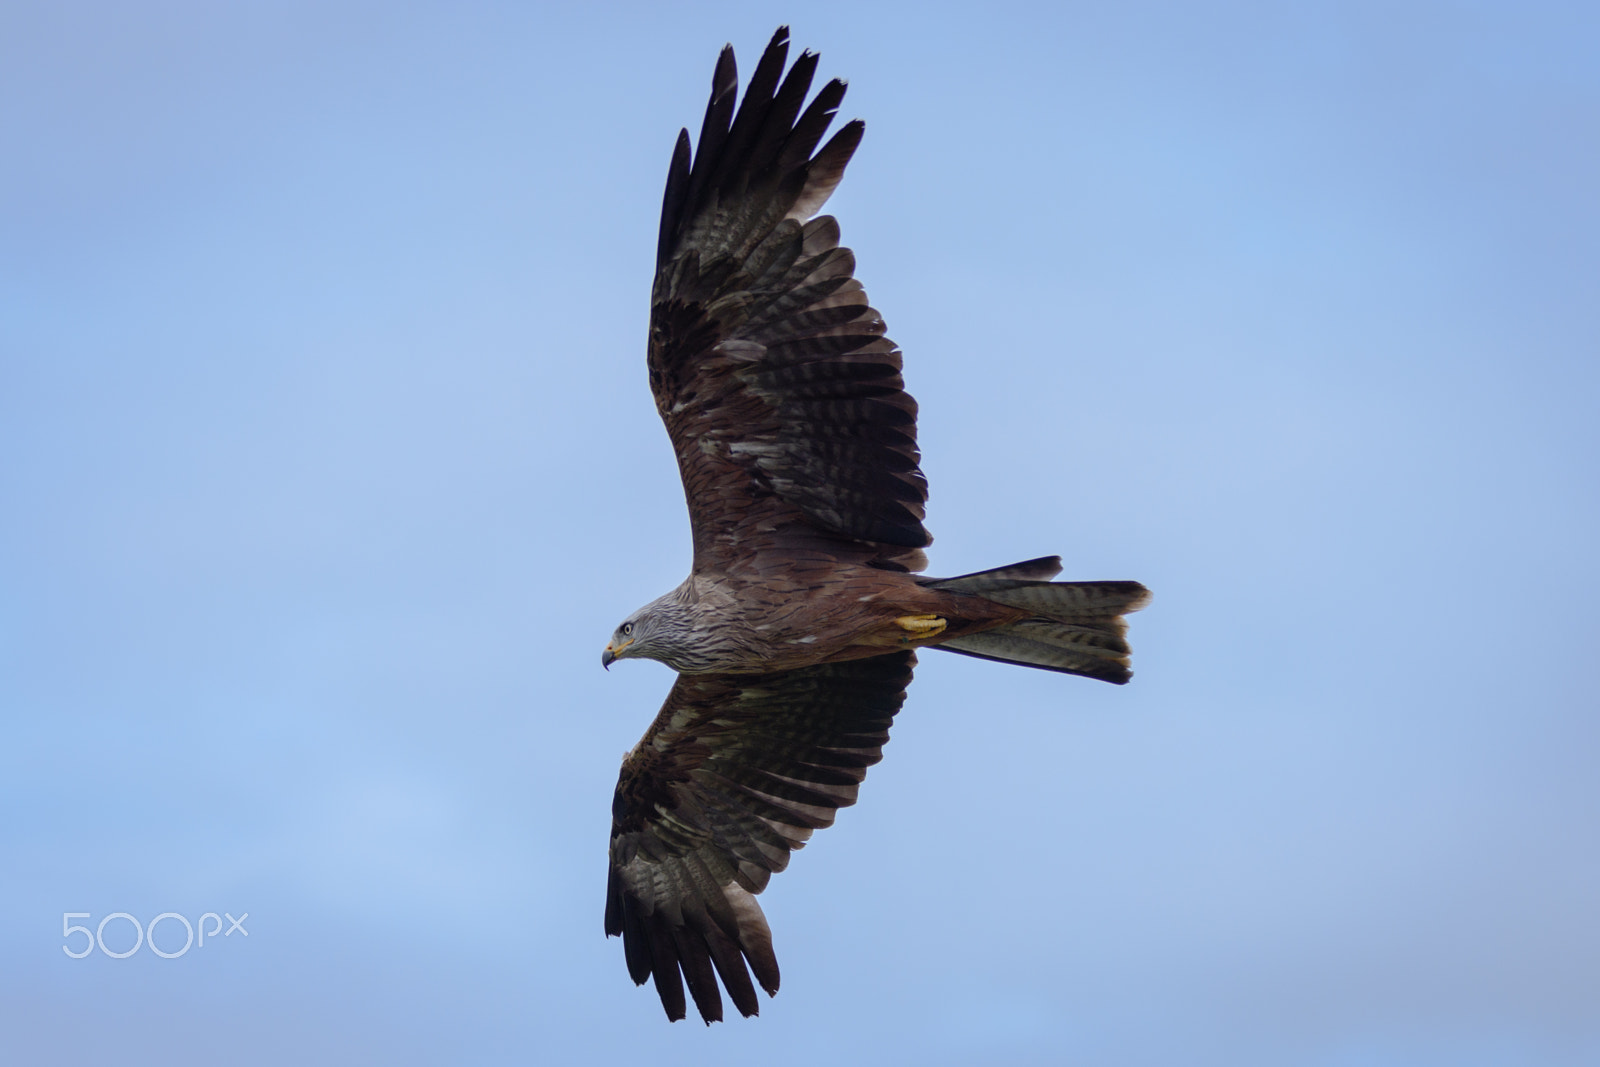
795, 634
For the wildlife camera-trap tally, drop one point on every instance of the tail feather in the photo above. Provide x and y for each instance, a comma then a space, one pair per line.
1039, 570
1077, 627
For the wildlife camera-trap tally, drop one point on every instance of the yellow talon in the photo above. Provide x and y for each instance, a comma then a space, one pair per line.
921, 625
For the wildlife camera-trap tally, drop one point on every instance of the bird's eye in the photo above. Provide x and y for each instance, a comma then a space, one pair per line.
627, 629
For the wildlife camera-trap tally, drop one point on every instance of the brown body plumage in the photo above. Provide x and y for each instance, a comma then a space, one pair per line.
794, 634
818, 611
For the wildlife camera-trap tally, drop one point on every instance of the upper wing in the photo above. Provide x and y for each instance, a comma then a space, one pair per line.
735, 772
782, 397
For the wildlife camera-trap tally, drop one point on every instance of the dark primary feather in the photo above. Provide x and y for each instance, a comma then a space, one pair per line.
735, 773
781, 394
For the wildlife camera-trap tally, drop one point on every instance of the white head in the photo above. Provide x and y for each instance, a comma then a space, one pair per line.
661, 630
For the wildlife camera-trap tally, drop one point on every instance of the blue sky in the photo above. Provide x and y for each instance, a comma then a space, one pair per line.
330, 464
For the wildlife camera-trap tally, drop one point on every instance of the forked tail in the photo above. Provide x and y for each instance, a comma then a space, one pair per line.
1076, 628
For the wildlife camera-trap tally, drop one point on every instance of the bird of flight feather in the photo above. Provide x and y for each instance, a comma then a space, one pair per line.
794, 635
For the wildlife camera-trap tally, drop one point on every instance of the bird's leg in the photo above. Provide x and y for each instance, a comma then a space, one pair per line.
920, 626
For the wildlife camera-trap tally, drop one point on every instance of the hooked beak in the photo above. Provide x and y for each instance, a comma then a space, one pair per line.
612, 654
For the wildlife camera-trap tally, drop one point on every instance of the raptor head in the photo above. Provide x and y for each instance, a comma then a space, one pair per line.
655, 631
624, 642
